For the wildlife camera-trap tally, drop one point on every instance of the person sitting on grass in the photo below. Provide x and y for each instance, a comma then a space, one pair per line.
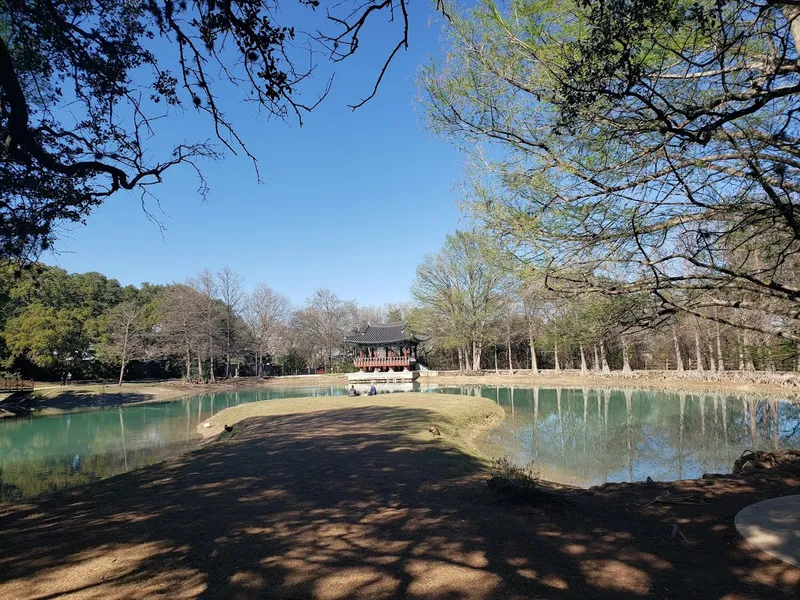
372, 391
352, 392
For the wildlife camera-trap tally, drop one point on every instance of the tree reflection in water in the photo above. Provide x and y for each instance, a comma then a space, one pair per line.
579, 436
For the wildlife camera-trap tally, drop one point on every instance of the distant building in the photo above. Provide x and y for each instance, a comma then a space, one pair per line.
386, 348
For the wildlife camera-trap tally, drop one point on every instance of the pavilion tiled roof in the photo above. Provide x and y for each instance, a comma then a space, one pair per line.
388, 333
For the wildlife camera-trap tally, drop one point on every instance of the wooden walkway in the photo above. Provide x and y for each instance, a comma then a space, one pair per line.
9, 384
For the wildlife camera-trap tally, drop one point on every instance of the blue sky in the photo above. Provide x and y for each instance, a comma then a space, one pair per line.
351, 201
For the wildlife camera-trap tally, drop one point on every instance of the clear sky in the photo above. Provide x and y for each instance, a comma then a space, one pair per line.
350, 201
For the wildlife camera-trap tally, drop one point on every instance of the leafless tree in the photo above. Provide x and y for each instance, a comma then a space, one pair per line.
460, 287
127, 336
266, 315
231, 292
212, 314
324, 321
179, 325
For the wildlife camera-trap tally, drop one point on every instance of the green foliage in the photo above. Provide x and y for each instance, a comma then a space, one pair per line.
459, 291
293, 363
51, 338
635, 147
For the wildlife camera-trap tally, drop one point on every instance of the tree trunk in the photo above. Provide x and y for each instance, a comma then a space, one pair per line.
678, 357
200, 369
712, 365
741, 354
477, 349
188, 365
510, 361
583, 360
467, 360
460, 358
555, 357
596, 365
682, 420
748, 359
720, 361
124, 356
122, 372
124, 352
626, 363
697, 350
211, 378
535, 365
603, 359
496, 369
792, 14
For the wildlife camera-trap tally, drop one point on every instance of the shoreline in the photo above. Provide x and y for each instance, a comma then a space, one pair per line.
769, 384
58, 400
468, 419
81, 397
300, 500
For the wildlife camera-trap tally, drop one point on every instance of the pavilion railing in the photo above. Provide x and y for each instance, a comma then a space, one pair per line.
393, 361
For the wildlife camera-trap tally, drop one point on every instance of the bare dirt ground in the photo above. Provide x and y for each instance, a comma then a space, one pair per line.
361, 502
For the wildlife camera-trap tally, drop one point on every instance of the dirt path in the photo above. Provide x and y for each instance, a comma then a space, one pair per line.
356, 503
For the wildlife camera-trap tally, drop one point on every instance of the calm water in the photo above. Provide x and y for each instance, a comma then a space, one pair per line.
588, 437
574, 436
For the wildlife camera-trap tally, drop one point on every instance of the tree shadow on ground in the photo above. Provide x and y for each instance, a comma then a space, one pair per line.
339, 504
82, 399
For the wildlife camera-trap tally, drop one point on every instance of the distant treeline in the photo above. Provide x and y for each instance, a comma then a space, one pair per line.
480, 314
53, 322
484, 312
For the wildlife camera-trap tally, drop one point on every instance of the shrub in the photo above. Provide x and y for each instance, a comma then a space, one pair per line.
510, 476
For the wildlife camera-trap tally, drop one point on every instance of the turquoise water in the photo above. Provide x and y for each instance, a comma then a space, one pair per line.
583, 437
588, 437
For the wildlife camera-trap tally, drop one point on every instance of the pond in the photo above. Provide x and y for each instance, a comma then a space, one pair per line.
588, 437
578, 436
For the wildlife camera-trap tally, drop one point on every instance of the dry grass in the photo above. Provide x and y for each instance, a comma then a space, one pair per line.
460, 419
729, 381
